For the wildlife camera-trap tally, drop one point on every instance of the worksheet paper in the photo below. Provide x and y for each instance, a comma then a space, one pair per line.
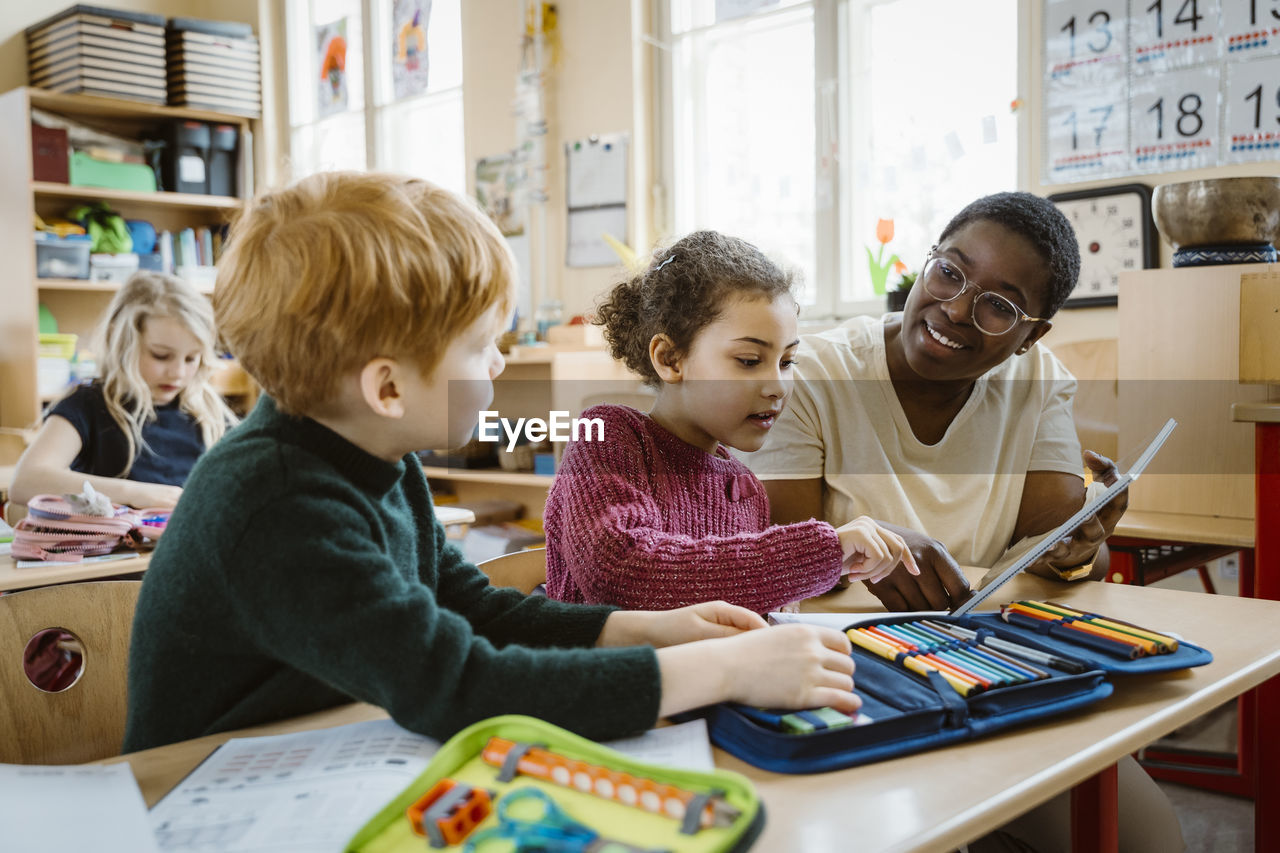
311, 791
90, 808
840, 621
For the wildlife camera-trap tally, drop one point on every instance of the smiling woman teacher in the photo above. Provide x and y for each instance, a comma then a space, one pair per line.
947, 420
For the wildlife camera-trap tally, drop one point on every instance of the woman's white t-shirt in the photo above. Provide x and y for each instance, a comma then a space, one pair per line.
844, 423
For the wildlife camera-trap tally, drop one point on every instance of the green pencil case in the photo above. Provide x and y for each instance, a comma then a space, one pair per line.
496, 786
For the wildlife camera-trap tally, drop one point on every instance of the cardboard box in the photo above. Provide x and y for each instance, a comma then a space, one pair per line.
578, 334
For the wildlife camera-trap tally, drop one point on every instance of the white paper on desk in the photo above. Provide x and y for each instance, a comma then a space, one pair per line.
684, 745
73, 808
311, 791
840, 621
305, 791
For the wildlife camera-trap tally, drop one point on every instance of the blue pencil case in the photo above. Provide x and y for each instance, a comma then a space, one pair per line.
905, 711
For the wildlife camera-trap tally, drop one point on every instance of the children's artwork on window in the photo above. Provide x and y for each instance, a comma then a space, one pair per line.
331, 55
409, 57
498, 191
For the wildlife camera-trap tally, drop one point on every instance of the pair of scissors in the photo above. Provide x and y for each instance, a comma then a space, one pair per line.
547, 829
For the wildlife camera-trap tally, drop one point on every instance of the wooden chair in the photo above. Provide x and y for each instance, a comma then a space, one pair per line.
1096, 406
13, 513
523, 570
86, 721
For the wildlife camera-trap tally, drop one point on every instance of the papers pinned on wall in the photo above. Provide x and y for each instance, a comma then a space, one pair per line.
596, 195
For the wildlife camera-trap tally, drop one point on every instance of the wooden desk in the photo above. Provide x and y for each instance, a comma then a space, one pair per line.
12, 577
939, 799
1178, 527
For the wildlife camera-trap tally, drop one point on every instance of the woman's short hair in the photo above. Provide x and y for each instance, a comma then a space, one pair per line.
1041, 223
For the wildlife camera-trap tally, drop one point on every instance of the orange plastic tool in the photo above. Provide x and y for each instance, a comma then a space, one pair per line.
448, 812
637, 791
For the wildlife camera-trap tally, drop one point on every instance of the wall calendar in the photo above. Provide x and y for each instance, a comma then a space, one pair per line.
1137, 87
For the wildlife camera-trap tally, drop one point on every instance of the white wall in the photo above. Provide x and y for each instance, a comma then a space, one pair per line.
601, 84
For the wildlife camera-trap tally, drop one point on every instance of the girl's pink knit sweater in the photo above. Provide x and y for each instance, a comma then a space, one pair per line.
647, 521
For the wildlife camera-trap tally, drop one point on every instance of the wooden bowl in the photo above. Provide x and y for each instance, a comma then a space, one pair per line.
1218, 211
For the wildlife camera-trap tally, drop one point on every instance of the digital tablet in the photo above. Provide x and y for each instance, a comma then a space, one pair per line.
1060, 532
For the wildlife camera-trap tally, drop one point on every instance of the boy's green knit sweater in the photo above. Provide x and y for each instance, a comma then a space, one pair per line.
299, 572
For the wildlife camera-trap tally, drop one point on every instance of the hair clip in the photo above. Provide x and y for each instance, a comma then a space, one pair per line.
669, 259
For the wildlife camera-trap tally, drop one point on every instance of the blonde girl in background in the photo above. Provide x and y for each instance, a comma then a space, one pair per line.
136, 431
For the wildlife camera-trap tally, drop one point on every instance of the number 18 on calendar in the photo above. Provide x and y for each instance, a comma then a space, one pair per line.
1174, 120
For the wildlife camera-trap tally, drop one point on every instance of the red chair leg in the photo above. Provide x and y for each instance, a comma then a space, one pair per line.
1205, 580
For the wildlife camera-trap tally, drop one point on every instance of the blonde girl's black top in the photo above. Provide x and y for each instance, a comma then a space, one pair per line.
171, 443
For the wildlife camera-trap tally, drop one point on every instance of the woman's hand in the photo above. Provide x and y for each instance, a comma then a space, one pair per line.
938, 584
659, 628
1085, 542
871, 551
789, 666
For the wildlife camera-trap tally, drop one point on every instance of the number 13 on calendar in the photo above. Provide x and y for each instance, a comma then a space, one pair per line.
1174, 120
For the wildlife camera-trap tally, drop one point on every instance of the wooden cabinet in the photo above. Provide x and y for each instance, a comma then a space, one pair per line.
77, 304
1179, 357
536, 382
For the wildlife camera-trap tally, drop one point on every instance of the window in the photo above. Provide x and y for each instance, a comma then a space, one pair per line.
344, 112
798, 125
742, 93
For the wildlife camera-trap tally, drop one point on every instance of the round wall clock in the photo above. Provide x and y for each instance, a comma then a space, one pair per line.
1116, 234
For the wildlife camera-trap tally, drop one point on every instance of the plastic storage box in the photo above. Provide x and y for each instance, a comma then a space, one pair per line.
103, 267
62, 258
89, 172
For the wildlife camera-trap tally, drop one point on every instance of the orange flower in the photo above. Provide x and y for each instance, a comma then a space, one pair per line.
884, 230
899, 267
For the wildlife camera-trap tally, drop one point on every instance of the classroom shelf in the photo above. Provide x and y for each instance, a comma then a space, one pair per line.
496, 476
117, 109
78, 304
172, 201
85, 284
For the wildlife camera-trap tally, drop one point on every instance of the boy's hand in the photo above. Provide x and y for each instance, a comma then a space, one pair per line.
660, 628
871, 552
790, 666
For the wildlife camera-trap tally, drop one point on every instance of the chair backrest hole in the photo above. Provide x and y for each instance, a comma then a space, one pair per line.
53, 660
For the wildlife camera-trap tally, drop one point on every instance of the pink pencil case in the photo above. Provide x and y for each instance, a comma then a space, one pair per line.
53, 530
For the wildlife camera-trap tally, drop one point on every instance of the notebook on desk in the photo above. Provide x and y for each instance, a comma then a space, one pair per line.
1050, 539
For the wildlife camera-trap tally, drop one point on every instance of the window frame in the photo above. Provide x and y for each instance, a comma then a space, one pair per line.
373, 14
840, 88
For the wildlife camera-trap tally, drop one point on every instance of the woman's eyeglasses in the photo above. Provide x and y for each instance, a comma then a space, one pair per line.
993, 314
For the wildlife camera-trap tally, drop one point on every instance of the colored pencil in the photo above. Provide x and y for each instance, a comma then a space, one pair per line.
899, 634
1117, 624
1020, 651
1082, 632
1083, 638
948, 650
1036, 609
921, 668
